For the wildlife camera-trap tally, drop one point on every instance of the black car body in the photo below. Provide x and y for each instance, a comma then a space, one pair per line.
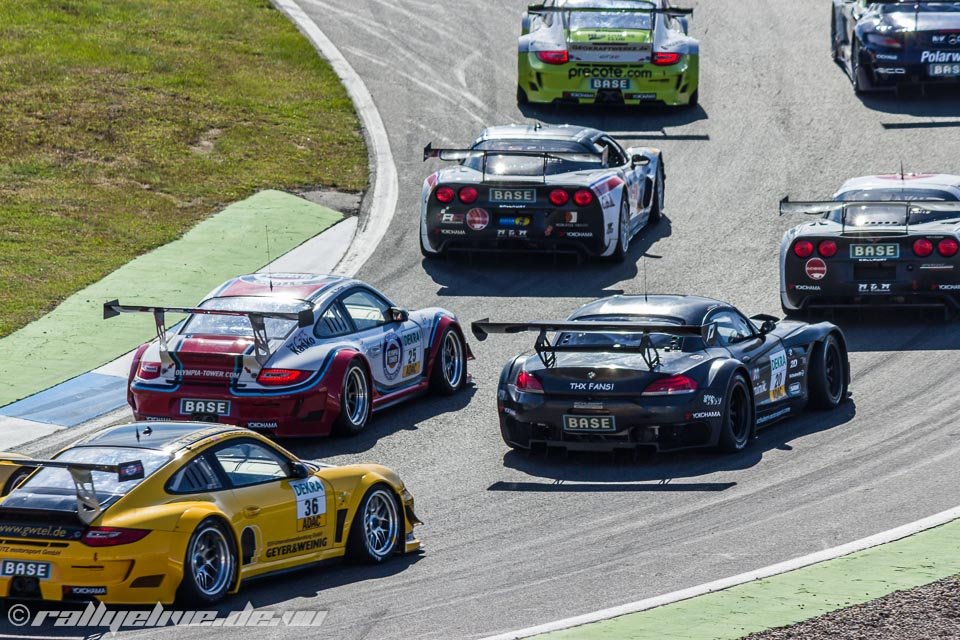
667, 372
882, 240
893, 43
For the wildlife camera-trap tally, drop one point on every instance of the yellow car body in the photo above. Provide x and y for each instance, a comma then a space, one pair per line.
12, 472
136, 541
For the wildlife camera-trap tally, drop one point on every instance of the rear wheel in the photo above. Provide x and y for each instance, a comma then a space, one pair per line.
828, 374
522, 96
656, 206
694, 99
860, 75
834, 41
209, 569
623, 233
738, 417
355, 401
449, 373
377, 527
16, 479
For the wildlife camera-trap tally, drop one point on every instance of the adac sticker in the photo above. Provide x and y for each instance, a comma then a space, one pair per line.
815, 268
392, 356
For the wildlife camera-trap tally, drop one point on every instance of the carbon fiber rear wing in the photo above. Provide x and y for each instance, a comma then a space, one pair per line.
459, 155
88, 505
671, 11
547, 351
303, 318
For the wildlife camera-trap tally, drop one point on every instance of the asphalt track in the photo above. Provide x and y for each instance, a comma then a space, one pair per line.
514, 541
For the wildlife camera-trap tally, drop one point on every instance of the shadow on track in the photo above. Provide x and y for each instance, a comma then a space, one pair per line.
540, 276
934, 102
894, 330
590, 472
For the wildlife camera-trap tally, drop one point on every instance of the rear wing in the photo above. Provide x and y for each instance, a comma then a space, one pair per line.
88, 506
547, 351
670, 11
303, 318
458, 155
821, 207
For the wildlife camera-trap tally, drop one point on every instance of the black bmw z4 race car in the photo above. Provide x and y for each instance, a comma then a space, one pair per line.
663, 371
889, 43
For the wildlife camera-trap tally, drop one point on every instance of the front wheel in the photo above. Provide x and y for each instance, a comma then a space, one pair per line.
355, 401
210, 567
449, 373
828, 374
377, 527
738, 417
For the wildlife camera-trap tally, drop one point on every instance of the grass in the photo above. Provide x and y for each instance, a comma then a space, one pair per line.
124, 123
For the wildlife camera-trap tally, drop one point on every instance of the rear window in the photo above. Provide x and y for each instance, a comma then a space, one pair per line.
239, 326
658, 340
882, 213
52, 481
503, 165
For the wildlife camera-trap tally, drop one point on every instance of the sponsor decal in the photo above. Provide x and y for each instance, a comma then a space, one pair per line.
578, 234
592, 406
301, 342
760, 387
794, 362
85, 591
641, 96
40, 570
511, 233
697, 356
290, 548
157, 419
604, 71
606, 201
794, 389
451, 218
937, 267
513, 195
206, 373
755, 374
217, 407
453, 232
411, 369
873, 287
795, 375
949, 287
514, 221
892, 71
890, 250
815, 268
392, 355
592, 386
478, 219
807, 287
706, 414
261, 425
282, 279
712, 400
778, 374
570, 217
38, 531
311, 503
886, 56
775, 414
609, 83
940, 56
548, 231
577, 94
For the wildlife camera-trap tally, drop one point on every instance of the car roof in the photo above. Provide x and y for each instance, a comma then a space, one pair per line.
941, 181
690, 310
566, 132
302, 286
157, 435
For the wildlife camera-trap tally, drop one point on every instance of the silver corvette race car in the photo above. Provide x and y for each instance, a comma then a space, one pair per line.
552, 189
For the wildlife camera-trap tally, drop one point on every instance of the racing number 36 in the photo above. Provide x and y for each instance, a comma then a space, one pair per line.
312, 507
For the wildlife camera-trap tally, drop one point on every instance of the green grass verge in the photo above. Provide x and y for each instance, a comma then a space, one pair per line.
126, 123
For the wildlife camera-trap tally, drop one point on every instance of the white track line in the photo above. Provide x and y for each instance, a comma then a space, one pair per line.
725, 583
385, 187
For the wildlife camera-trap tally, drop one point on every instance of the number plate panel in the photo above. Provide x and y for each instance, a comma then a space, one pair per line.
589, 424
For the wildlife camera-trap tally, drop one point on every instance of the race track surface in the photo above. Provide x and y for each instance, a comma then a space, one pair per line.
515, 540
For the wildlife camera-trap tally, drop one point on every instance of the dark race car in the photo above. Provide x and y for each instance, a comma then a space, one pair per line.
881, 240
892, 43
552, 189
667, 372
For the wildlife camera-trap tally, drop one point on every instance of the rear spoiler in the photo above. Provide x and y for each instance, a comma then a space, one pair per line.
671, 11
88, 506
457, 155
547, 352
821, 207
303, 318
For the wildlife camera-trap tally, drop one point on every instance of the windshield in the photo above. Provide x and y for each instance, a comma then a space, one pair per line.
239, 326
508, 165
658, 340
59, 482
611, 20
880, 214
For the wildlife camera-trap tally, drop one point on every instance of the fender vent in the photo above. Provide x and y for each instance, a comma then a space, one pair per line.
341, 521
248, 545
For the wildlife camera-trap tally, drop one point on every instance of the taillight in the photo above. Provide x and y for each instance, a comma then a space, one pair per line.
665, 58
803, 249
922, 247
948, 247
468, 195
111, 536
281, 377
827, 248
553, 57
445, 195
674, 385
559, 197
148, 370
583, 197
883, 40
527, 383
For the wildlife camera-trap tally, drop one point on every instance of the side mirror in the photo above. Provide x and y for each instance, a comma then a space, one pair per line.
639, 160
398, 315
299, 470
767, 327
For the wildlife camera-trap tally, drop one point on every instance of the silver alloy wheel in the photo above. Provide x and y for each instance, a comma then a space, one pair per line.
211, 562
356, 396
451, 359
624, 226
380, 524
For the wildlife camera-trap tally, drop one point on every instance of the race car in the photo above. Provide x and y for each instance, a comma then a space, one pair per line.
666, 372
13, 474
887, 44
607, 52
541, 188
292, 355
881, 240
152, 512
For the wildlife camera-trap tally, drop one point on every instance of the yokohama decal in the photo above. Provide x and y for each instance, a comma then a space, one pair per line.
816, 268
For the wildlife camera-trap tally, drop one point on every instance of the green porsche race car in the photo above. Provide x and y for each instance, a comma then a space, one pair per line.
607, 52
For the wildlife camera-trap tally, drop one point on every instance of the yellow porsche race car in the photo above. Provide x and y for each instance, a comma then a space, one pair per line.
152, 512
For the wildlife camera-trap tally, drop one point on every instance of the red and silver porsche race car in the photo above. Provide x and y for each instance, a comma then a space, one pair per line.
292, 355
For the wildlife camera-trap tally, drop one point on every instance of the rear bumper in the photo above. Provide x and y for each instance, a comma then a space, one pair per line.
890, 69
642, 83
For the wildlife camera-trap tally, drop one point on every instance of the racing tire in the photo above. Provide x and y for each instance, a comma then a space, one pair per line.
356, 401
522, 98
858, 74
210, 566
428, 254
377, 528
15, 480
656, 205
834, 45
738, 417
694, 100
623, 234
449, 373
827, 374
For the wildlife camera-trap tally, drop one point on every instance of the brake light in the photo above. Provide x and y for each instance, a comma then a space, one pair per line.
445, 195
559, 197
281, 377
528, 383
922, 247
883, 40
665, 58
111, 536
674, 385
583, 197
553, 57
803, 249
148, 370
468, 195
948, 247
827, 248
